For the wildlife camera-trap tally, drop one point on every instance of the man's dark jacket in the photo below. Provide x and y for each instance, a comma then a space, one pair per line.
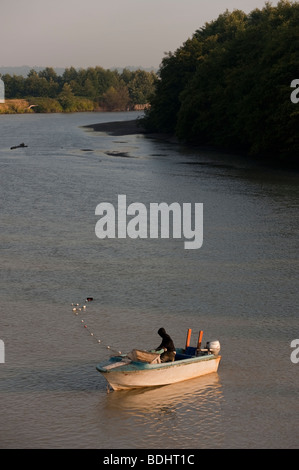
166, 341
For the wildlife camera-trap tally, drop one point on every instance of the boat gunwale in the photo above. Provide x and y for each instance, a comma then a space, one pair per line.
135, 366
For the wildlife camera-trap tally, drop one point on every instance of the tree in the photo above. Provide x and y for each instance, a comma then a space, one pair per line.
81, 89
175, 72
14, 86
141, 86
116, 99
66, 98
229, 85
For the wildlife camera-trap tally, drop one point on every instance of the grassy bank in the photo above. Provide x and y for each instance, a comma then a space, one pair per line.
15, 107
61, 105
46, 105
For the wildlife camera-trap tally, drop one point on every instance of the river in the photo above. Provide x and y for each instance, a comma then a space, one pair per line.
240, 287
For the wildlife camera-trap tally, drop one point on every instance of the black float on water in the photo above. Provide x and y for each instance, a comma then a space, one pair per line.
22, 145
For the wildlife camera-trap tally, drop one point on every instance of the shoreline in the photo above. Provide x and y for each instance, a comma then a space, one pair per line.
134, 127
118, 128
130, 127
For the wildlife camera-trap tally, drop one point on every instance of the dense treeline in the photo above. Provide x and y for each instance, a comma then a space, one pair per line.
229, 85
81, 90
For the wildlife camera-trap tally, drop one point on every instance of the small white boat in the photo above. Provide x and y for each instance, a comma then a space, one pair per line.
144, 369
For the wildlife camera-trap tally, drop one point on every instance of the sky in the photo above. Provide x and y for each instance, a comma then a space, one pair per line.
108, 33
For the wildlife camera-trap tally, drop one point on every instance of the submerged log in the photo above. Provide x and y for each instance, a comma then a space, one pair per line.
22, 145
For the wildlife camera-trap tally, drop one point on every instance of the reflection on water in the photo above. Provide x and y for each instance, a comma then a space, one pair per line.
168, 397
185, 415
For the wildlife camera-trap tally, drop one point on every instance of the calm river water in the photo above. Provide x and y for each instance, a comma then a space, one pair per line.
240, 287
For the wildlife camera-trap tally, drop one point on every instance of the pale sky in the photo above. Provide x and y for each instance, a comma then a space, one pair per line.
108, 33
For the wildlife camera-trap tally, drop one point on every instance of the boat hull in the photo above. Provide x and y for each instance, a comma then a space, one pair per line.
124, 376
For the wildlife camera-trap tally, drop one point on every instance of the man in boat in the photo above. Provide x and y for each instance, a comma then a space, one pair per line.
167, 345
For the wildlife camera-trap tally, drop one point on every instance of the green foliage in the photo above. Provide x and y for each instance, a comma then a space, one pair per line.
15, 106
45, 105
140, 85
66, 98
229, 85
116, 99
83, 89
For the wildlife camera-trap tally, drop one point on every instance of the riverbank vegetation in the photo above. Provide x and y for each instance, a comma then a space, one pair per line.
16, 106
78, 90
229, 84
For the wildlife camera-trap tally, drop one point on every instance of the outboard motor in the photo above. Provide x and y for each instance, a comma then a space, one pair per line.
213, 347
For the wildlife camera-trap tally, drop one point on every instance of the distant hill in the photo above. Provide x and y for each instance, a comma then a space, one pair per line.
25, 69
133, 68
